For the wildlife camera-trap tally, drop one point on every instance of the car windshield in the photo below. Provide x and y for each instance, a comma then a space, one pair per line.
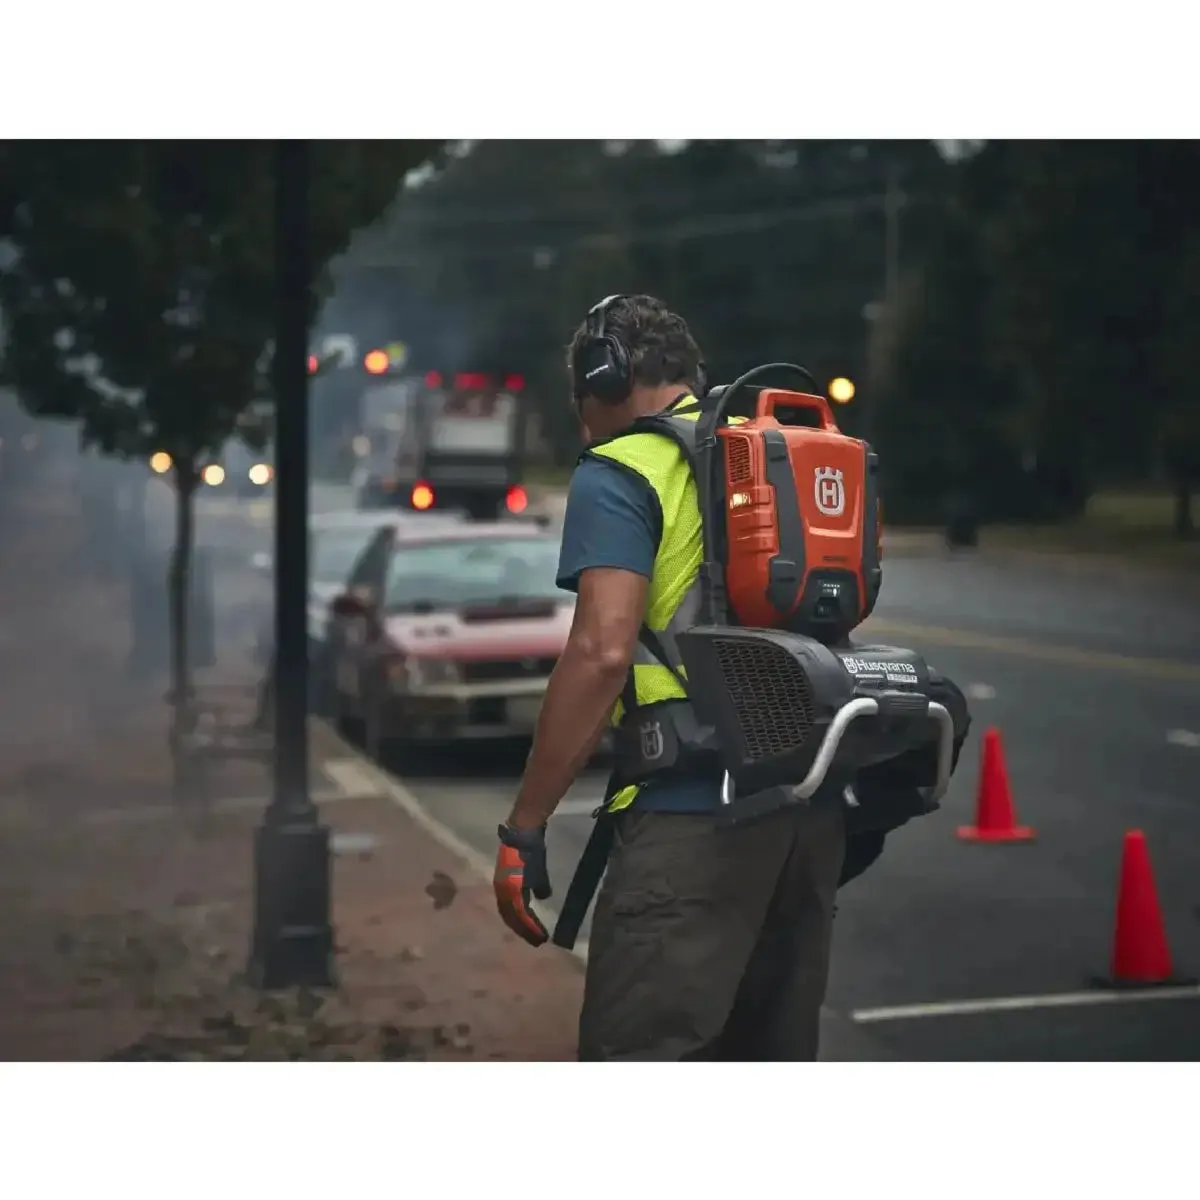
465, 571
334, 553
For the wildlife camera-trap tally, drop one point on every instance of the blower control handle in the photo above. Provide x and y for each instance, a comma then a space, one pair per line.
721, 396
772, 401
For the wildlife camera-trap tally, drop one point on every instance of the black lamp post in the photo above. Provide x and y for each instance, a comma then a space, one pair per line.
293, 934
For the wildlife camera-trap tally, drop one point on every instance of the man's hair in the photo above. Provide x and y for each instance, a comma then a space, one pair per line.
661, 349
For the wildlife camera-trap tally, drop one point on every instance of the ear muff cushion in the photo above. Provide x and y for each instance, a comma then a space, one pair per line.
602, 370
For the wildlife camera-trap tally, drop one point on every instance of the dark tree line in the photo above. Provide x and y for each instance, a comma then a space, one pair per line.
1022, 320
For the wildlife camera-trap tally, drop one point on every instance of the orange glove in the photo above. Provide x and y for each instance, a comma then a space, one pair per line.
521, 871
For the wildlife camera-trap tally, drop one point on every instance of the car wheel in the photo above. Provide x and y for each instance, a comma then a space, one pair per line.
322, 699
350, 726
373, 718
345, 720
371, 740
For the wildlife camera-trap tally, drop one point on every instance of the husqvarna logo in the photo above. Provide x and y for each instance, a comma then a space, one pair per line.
829, 491
652, 741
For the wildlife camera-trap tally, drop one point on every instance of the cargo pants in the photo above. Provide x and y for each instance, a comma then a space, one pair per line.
713, 943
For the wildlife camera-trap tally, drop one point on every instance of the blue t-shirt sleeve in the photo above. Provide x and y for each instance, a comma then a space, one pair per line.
613, 519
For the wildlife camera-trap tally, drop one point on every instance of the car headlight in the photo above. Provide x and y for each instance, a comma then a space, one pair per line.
260, 474
213, 474
431, 672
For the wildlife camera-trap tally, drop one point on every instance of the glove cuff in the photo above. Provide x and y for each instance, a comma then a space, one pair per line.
522, 839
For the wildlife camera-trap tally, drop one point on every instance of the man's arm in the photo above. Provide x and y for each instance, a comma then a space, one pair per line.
584, 687
610, 537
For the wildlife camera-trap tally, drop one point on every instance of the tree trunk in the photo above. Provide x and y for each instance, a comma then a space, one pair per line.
1185, 523
178, 595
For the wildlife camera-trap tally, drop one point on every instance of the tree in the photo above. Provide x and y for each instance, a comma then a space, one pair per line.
771, 249
1179, 424
1080, 246
1057, 301
139, 295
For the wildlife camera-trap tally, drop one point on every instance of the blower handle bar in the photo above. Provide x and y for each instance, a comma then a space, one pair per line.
865, 706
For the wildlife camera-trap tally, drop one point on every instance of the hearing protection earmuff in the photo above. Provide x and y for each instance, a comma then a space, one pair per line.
603, 366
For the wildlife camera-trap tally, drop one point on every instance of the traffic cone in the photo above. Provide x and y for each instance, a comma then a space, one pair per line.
995, 816
1140, 955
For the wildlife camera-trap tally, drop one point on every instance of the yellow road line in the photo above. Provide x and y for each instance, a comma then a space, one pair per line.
1014, 647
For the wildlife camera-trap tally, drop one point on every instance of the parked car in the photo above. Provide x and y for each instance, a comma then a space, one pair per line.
336, 541
448, 633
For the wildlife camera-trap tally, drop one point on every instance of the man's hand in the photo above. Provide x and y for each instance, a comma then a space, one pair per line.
520, 871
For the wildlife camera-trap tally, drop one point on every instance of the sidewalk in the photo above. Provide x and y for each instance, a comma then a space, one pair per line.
127, 923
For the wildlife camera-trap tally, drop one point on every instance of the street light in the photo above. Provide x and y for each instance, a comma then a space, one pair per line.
841, 390
293, 937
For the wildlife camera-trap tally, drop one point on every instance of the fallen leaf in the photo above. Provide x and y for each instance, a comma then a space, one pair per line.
441, 889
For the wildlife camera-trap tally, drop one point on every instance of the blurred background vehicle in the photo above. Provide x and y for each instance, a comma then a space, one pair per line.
239, 470
442, 442
447, 634
242, 471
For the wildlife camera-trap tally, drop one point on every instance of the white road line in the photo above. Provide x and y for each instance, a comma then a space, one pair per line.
1183, 737
979, 691
966, 1008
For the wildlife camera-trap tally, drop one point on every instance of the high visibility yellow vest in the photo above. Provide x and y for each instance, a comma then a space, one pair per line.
673, 599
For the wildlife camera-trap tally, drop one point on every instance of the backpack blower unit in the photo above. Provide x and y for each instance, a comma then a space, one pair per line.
792, 564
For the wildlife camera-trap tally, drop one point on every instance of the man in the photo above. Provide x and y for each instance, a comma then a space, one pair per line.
706, 942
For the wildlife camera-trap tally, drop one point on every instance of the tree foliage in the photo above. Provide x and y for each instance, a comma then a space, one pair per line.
1042, 338
1083, 295
773, 250
139, 287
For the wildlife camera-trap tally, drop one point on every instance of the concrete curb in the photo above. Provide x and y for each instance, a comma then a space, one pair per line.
395, 791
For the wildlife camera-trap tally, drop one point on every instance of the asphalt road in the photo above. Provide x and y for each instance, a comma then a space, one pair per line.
1095, 686
1093, 677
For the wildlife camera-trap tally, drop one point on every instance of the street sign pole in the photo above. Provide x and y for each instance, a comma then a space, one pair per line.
293, 934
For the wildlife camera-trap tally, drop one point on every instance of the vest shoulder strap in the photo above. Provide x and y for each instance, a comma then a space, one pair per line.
679, 429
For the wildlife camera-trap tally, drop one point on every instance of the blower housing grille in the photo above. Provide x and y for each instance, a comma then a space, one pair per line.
770, 694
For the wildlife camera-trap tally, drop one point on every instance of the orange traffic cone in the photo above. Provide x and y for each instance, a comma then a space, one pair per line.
1140, 955
995, 816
